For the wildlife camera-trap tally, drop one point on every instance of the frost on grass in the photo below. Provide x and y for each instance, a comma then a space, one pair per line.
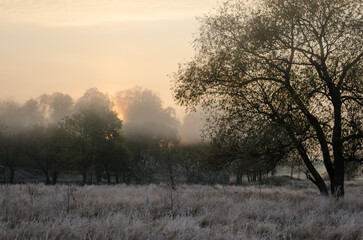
192, 212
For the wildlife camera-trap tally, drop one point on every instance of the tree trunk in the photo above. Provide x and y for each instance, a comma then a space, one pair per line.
4, 175
337, 185
188, 175
98, 177
239, 179
172, 182
254, 177
84, 175
314, 122
171, 177
12, 174
55, 177
259, 176
127, 179
108, 176
47, 178
116, 177
315, 178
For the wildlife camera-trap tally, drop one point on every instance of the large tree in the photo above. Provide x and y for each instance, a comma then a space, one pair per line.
296, 63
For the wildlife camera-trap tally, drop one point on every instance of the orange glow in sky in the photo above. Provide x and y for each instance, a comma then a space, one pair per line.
69, 46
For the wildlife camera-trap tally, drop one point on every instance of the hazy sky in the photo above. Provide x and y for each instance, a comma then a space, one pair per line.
71, 45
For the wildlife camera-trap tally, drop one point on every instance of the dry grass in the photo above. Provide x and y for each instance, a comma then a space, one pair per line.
196, 212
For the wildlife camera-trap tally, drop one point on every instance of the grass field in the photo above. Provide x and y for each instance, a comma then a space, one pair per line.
294, 211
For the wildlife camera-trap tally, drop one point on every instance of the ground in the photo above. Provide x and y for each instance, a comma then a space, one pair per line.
293, 211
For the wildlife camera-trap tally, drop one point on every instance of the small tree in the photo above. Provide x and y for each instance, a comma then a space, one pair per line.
46, 147
114, 157
169, 159
148, 125
88, 129
9, 151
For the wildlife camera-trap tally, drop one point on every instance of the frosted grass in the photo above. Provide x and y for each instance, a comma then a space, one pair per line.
191, 212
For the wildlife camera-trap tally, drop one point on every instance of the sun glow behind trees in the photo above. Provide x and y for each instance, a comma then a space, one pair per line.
70, 46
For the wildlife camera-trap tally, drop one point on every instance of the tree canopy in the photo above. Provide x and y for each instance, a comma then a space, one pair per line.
294, 63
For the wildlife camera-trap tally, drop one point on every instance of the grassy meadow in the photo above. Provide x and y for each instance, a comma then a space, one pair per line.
293, 211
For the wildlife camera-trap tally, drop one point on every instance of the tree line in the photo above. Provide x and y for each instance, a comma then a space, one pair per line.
85, 141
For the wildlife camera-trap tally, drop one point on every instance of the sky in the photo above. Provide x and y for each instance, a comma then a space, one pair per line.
70, 46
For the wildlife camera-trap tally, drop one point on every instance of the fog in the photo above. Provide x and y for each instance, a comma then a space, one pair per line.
142, 111
71, 46
144, 114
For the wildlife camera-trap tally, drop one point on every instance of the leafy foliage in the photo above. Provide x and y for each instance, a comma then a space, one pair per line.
296, 64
